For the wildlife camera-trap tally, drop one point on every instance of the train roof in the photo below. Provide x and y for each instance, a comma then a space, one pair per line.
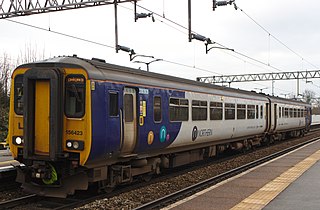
99, 70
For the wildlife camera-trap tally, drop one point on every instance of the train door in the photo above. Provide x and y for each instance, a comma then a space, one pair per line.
308, 117
41, 120
129, 120
267, 118
42, 114
275, 116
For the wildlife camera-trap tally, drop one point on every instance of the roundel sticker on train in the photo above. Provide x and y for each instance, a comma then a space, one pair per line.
194, 133
150, 137
163, 134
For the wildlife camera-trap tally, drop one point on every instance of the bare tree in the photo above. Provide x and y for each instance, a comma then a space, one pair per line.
308, 96
30, 54
5, 73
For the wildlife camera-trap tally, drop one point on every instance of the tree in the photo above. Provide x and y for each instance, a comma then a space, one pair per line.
5, 73
308, 96
30, 54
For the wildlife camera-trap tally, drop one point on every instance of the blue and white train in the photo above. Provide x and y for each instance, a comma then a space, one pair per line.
74, 122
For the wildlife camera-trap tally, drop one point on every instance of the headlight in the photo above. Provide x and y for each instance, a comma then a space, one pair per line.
69, 144
17, 140
75, 145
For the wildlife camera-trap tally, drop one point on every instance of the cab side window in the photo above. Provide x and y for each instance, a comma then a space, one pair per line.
113, 104
75, 96
18, 94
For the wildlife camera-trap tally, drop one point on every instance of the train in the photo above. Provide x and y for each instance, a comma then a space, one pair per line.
77, 122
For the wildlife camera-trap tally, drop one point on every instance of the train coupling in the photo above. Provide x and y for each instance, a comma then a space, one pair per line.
41, 173
44, 171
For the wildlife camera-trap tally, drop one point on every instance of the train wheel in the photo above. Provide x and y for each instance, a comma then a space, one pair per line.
271, 139
147, 177
103, 187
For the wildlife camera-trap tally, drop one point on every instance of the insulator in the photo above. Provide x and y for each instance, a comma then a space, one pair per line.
199, 37
222, 3
123, 48
142, 15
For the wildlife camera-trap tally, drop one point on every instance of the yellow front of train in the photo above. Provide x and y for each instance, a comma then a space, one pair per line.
50, 127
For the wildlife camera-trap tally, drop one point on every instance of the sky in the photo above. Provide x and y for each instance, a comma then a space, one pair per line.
284, 34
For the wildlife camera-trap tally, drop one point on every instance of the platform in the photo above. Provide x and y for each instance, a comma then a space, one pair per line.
288, 182
6, 161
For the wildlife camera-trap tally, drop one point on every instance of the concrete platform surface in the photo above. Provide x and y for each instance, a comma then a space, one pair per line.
257, 187
304, 193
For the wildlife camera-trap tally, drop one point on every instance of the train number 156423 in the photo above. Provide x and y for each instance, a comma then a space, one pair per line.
73, 132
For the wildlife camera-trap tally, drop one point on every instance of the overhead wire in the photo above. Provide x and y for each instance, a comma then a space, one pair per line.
274, 37
100, 44
60, 33
221, 45
236, 52
109, 46
165, 60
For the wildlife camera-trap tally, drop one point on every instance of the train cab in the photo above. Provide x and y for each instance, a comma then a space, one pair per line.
50, 121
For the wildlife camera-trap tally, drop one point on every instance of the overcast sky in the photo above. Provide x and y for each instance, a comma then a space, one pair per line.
295, 23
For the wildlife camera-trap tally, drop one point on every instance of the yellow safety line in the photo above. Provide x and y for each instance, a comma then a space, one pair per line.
231, 179
268, 192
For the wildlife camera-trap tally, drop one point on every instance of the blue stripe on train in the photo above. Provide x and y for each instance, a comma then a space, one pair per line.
106, 129
163, 132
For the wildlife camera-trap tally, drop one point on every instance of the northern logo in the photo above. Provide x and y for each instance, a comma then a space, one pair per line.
194, 133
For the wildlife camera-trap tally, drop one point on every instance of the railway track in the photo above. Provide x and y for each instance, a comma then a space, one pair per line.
86, 197
171, 198
18, 201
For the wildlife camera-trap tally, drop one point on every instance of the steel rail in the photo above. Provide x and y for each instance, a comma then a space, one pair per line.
18, 201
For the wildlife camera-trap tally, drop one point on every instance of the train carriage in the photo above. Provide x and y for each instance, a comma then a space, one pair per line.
74, 122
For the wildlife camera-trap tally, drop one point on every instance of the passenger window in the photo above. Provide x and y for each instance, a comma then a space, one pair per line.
290, 112
157, 116
179, 109
215, 111
229, 111
18, 94
75, 96
241, 111
128, 107
286, 112
257, 111
113, 104
261, 112
199, 110
251, 111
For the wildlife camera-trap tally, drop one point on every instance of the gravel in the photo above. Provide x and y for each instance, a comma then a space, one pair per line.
137, 197
10, 194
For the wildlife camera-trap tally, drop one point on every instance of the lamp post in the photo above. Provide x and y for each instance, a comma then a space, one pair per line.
148, 63
207, 41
